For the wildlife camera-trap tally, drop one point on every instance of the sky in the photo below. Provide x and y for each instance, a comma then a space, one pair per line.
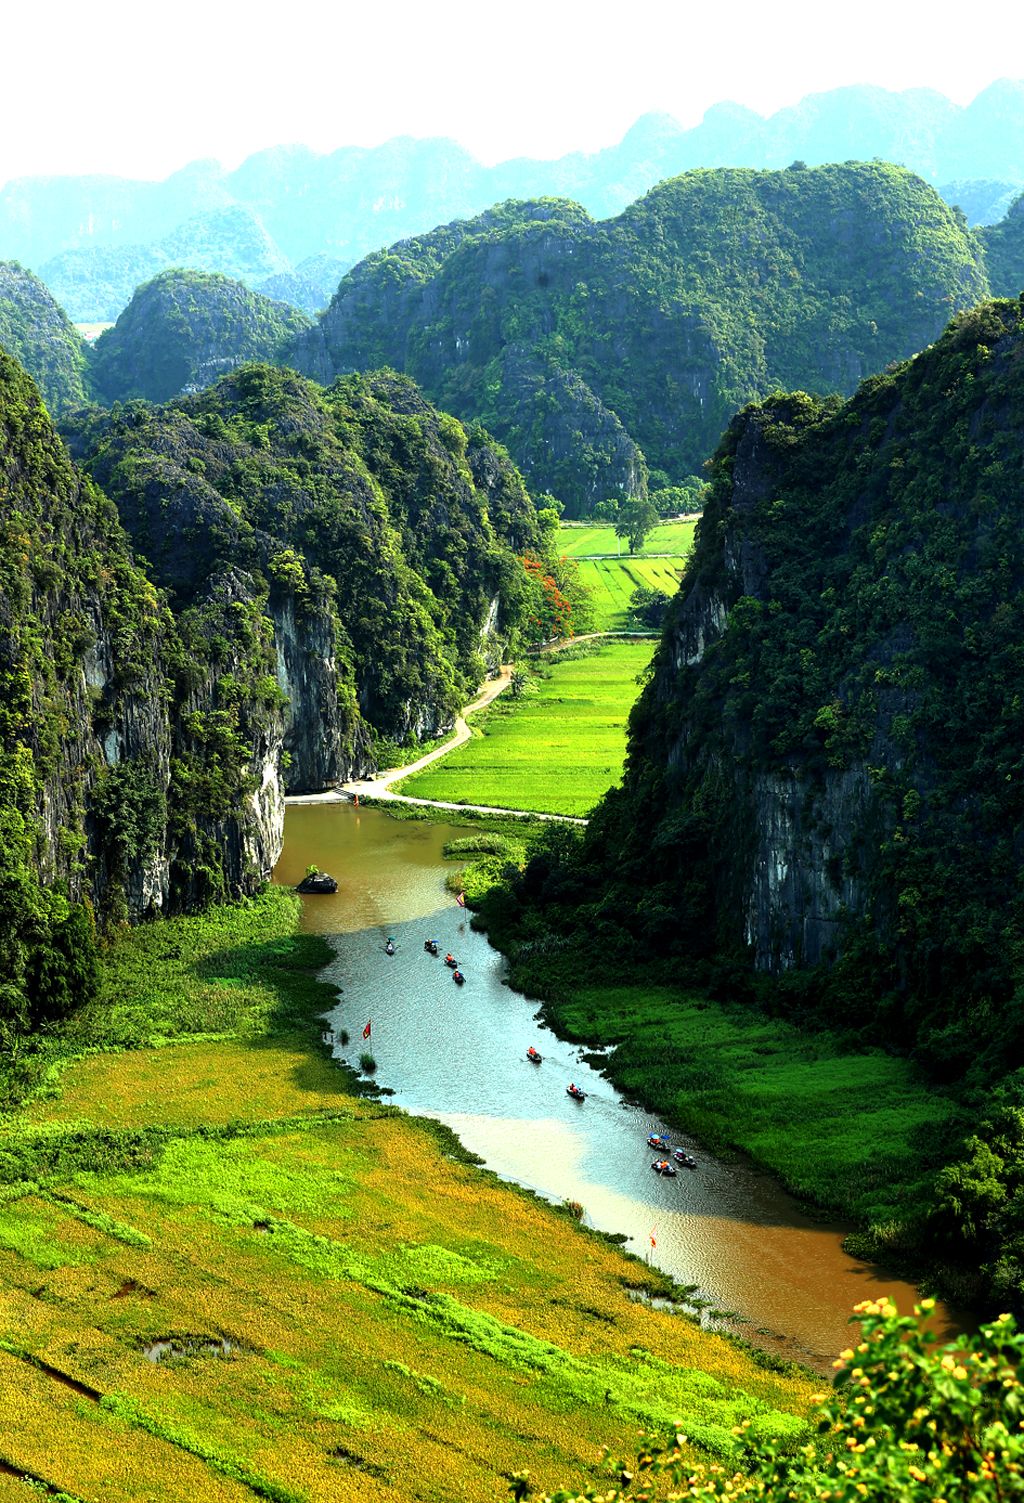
139, 89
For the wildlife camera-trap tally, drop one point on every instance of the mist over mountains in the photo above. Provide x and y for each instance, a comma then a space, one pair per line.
93, 239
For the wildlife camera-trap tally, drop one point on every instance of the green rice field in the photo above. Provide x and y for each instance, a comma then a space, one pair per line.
557, 749
613, 580
586, 540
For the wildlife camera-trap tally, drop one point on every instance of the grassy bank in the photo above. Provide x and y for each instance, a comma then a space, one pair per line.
347, 1307
558, 748
850, 1131
590, 539
612, 581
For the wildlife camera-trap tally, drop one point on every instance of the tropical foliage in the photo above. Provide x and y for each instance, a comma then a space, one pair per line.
581, 344
910, 1423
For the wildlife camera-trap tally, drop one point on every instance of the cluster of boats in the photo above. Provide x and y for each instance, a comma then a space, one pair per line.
572, 1089
432, 948
665, 1166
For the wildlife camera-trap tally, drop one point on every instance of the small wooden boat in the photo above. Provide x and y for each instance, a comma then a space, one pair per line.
458, 977
687, 1160
533, 1056
657, 1140
662, 1166
575, 1092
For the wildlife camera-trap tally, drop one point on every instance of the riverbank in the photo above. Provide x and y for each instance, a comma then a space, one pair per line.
858, 1134
225, 1272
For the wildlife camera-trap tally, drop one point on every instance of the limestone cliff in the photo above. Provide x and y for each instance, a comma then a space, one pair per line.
132, 770
640, 336
380, 538
823, 777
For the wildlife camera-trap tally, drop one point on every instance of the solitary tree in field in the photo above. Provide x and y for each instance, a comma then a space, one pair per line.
634, 521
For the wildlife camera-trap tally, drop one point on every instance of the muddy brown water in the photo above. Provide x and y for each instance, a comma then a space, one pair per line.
459, 1054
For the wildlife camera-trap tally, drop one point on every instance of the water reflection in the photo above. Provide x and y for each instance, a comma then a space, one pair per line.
459, 1054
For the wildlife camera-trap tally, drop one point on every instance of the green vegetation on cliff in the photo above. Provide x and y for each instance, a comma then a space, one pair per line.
377, 524
184, 329
38, 334
581, 344
1004, 251
133, 745
821, 807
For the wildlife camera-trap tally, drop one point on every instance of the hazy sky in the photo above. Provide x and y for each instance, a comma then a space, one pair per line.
139, 88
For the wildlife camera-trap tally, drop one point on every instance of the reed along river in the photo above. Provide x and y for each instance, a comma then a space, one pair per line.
459, 1054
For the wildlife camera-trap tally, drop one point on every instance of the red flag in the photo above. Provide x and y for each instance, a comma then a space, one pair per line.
366, 1031
653, 1241
460, 898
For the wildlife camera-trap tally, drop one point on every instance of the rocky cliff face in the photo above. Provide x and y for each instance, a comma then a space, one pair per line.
642, 335
131, 771
822, 773
379, 536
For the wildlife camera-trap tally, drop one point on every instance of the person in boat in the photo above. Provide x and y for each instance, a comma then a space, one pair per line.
430, 945
458, 976
449, 959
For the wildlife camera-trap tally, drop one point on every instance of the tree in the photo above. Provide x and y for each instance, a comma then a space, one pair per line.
908, 1422
635, 520
647, 607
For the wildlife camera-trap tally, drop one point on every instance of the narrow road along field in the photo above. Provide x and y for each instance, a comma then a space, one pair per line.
556, 750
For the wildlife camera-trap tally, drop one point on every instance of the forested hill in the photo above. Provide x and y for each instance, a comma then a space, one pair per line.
385, 535
91, 234
587, 347
822, 812
303, 575
131, 773
184, 329
38, 334
1004, 251
823, 783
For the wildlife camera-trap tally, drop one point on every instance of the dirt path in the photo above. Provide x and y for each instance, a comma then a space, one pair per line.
379, 789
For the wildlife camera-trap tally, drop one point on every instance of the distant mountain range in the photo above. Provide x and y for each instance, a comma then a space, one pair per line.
289, 221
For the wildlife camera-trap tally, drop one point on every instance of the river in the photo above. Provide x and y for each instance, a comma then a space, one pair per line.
459, 1054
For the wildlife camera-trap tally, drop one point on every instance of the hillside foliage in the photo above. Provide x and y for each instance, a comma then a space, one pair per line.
635, 339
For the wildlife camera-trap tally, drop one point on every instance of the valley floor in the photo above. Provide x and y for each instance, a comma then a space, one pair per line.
556, 749
226, 1274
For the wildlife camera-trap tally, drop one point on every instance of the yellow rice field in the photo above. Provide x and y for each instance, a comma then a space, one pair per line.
349, 1310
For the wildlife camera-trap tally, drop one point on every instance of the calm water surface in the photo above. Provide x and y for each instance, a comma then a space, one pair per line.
458, 1054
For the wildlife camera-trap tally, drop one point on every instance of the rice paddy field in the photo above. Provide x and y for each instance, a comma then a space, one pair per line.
224, 1274
612, 581
558, 748
589, 540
